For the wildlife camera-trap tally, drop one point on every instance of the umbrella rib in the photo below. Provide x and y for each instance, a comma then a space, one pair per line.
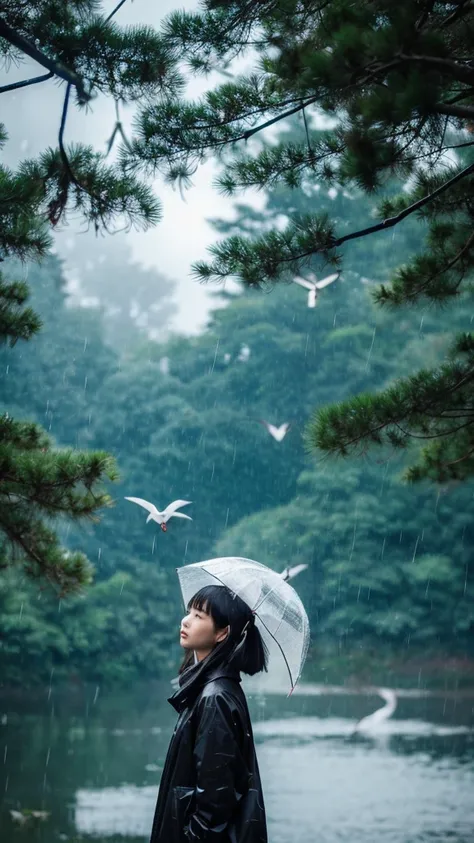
279, 646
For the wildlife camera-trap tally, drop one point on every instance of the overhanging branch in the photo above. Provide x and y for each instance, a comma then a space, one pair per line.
55, 67
462, 111
25, 82
391, 221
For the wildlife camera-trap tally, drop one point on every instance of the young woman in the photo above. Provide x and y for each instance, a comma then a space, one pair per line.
210, 788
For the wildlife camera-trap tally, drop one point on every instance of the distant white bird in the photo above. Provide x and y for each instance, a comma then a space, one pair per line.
374, 721
314, 285
289, 573
161, 518
244, 353
164, 365
278, 433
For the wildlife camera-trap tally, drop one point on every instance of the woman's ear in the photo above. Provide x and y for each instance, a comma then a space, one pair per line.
222, 634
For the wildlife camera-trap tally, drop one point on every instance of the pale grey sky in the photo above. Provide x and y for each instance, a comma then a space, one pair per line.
32, 117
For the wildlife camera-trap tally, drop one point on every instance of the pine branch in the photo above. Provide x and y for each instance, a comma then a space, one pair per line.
56, 67
461, 111
25, 82
269, 256
452, 67
114, 11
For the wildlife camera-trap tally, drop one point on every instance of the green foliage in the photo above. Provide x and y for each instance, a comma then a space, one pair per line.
41, 485
397, 83
389, 564
76, 42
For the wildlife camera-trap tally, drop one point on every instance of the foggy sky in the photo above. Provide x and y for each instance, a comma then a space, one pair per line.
32, 118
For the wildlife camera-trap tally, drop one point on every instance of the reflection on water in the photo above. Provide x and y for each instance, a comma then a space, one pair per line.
94, 762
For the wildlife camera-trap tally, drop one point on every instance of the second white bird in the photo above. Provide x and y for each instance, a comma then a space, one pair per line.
163, 517
313, 285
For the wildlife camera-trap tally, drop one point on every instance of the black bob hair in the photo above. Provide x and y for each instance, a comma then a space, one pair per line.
243, 648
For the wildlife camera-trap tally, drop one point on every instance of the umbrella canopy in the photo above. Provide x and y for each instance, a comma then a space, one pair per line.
279, 613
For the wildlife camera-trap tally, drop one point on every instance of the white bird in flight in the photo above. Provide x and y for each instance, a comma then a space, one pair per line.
289, 573
374, 721
162, 518
278, 433
313, 286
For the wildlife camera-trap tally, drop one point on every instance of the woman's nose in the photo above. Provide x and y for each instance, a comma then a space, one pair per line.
184, 622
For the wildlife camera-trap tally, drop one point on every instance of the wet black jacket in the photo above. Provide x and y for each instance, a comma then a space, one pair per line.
210, 788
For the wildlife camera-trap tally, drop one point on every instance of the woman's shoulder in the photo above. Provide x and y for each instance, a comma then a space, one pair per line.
223, 690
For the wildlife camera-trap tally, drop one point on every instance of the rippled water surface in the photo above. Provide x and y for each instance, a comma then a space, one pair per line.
93, 763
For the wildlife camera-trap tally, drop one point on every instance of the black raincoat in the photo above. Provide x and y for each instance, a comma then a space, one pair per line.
210, 788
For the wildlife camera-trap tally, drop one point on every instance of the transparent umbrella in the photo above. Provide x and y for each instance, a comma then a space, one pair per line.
279, 613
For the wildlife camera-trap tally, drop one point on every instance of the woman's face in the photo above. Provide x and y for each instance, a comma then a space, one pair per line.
198, 633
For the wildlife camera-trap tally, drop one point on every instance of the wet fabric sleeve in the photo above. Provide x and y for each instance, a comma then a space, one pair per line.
221, 773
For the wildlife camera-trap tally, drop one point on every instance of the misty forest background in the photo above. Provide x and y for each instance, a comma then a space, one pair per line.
391, 570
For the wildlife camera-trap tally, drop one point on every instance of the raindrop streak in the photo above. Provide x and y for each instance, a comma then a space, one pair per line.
21, 611
153, 544
121, 587
5, 754
353, 536
96, 694
6, 783
47, 756
215, 357
370, 350
85, 382
416, 548
212, 474
227, 516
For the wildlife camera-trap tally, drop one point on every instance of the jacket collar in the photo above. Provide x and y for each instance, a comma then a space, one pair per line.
193, 679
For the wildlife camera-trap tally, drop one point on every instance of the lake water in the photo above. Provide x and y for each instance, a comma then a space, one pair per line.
93, 761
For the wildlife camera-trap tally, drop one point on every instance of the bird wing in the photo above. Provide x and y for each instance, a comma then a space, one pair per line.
289, 573
266, 424
303, 282
325, 281
145, 504
178, 515
279, 433
172, 507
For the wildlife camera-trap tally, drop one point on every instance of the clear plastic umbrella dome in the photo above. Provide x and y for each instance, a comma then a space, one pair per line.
279, 613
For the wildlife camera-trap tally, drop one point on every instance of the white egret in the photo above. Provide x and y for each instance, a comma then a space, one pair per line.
313, 285
163, 517
372, 722
289, 573
278, 433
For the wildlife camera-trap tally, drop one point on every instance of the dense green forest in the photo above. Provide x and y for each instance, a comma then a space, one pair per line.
389, 563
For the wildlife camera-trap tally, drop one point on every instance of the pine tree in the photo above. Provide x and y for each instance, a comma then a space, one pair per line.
74, 42
398, 81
